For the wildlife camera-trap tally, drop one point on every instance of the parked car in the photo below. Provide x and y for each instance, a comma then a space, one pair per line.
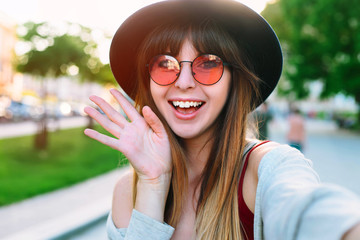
18, 111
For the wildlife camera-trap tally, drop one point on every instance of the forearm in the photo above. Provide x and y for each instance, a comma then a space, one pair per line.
151, 196
353, 233
309, 210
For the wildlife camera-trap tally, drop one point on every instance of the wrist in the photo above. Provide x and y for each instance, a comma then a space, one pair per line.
160, 183
151, 196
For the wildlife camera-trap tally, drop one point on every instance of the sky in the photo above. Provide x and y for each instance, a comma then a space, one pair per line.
103, 15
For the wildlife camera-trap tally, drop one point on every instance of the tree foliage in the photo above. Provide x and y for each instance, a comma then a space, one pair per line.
105, 76
54, 53
322, 43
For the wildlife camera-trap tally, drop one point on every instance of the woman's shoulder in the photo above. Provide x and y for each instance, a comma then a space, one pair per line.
271, 154
259, 150
122, 203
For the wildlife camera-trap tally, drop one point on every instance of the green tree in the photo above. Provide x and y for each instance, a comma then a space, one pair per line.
274, 15
53, 53
322, 40
103, 76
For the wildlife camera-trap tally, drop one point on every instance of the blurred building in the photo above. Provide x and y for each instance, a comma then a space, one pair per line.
7, 45
27, 91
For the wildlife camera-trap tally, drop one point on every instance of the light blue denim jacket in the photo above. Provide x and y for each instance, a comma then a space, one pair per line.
291, 203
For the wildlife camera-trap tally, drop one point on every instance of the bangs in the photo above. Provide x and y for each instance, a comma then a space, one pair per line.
166, 39
206, 36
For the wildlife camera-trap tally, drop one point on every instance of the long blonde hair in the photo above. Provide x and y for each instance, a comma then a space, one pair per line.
217, 214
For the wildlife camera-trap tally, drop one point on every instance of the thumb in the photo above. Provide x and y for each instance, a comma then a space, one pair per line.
153, 121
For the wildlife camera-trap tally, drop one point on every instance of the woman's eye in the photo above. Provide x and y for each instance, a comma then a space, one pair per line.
168, 64
164, 64
209, 64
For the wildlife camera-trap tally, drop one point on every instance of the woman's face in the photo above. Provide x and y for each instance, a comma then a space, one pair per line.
190, 122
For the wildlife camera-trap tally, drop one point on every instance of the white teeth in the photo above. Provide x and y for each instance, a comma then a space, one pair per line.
186, 104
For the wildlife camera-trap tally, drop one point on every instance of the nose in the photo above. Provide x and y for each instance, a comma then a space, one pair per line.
185, 79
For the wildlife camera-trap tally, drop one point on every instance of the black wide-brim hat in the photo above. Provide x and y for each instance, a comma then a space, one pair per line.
248, 28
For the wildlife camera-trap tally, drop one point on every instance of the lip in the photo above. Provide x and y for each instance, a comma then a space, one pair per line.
183, 116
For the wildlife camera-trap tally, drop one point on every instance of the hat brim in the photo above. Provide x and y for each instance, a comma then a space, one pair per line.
247, 27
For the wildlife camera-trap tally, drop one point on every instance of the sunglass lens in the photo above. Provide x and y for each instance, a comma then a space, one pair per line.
164, 69
208, 69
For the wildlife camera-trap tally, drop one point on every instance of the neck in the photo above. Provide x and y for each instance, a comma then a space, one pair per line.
198, 151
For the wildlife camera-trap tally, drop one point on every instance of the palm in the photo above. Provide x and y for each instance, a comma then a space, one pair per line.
148, 152
143, 140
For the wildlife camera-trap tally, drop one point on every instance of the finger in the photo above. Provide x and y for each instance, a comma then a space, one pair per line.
153, 121
109, 141
128, 108
103, 121
114, 115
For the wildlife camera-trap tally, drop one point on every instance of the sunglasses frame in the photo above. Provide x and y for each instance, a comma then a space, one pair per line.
191, 65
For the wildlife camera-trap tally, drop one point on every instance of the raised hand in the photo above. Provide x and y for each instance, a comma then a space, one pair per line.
143, 140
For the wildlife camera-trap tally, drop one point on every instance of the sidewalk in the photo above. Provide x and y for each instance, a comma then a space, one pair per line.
52, 215
9, 130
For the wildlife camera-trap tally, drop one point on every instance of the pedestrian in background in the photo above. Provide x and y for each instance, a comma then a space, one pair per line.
296, 134
196, 70
263, 117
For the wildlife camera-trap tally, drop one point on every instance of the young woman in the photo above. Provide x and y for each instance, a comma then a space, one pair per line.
196, 69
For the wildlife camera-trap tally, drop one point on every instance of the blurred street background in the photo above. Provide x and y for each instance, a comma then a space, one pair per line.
55, 183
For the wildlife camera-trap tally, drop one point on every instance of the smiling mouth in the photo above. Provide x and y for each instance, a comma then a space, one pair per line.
186, 107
